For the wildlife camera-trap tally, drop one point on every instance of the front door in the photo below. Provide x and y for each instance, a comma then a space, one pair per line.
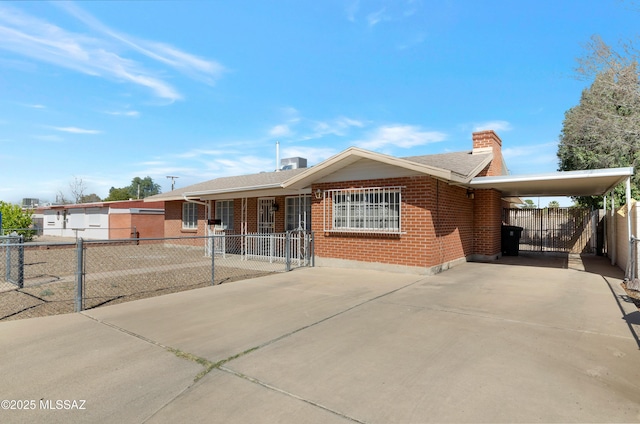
266, 215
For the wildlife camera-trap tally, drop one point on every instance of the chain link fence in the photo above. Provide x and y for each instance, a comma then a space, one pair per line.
69, 277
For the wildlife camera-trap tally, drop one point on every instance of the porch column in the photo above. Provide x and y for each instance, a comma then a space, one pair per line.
487, 224
629, 233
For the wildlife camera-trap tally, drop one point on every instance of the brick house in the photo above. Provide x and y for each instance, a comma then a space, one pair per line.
416, 214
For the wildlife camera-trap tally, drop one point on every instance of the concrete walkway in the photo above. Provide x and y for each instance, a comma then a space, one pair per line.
524, 339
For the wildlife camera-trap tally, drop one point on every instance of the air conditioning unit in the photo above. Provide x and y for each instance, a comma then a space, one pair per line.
293, 163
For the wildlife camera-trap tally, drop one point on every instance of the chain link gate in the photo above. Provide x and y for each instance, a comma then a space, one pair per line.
13, 252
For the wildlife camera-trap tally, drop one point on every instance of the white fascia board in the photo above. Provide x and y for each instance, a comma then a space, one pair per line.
265, 191
560, 175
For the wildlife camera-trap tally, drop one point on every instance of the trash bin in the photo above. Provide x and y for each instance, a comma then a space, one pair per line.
511, 240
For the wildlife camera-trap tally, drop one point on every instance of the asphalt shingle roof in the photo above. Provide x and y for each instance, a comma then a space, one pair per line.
232, 183
462, 163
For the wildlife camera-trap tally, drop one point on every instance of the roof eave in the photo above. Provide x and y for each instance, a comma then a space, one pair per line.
353, 154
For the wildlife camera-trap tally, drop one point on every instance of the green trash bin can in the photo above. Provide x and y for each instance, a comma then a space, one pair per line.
511, 240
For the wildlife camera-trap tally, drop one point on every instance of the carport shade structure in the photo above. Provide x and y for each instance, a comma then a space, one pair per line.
590, 182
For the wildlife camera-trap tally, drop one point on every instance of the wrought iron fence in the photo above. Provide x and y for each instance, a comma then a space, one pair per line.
67, 277
570, 230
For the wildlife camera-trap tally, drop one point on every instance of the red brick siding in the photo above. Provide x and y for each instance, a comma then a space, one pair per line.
121, 226
487, 221
173, 223
148, 226
437, 222
484, 139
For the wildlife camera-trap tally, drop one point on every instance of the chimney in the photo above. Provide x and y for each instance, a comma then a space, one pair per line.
489, 142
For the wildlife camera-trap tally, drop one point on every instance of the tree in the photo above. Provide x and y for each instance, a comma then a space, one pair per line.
528, 204
90, 198
143, 187
139, 189
603, 130
61, 198
554, 204
14, 218
78, 188
118, 194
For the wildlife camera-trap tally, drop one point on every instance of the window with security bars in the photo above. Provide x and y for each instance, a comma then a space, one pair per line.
189, 216
373, 210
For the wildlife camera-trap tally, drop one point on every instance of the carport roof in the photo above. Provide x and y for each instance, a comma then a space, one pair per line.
591, 182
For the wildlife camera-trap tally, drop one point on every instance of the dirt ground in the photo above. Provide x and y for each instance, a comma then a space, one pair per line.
113, 274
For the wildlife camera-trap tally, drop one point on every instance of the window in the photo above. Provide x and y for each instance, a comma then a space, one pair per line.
224, 212
298, 213
189, 216
374, 210
93, 217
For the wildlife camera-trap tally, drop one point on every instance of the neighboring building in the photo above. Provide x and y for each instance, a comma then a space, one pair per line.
104, 220
415, 214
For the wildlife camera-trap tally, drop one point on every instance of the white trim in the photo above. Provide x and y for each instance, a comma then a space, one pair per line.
590, 182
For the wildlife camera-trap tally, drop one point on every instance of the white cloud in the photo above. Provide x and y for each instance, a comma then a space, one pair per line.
128, 113
537, 158
528, 151
497, 126
339, 127
96, 55
403, 136
352, 9
312, 154
281, 130
52, 137
196, 153
76, 130
374, 18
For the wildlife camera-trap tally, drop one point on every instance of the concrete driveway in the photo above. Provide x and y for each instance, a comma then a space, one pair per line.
523, 339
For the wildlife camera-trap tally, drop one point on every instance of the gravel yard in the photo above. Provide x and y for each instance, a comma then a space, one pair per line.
114, 273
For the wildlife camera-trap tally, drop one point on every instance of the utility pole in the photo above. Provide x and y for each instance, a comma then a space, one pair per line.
173, 181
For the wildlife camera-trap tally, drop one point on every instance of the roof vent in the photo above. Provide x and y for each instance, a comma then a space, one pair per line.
293, 163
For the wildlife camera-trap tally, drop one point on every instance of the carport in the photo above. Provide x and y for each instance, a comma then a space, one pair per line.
591, 182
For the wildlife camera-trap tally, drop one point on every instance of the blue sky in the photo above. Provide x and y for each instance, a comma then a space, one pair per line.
107, 91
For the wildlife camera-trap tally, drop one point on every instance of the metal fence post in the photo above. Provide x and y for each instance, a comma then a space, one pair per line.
313, 247
213, 261
80, 275
21, 262
287, 251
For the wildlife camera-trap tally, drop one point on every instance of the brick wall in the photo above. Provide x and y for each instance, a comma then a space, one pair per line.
437, 226
173, 223
147, 225
120, 226
487, 222
489, 139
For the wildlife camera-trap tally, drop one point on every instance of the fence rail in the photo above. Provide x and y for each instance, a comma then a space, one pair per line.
74, 276
570, 230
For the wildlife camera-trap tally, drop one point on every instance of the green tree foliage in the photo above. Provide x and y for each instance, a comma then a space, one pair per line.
528, 204
139, 189
554, 204
90, 198
16, 219
145, 187
118, 194
603, 130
